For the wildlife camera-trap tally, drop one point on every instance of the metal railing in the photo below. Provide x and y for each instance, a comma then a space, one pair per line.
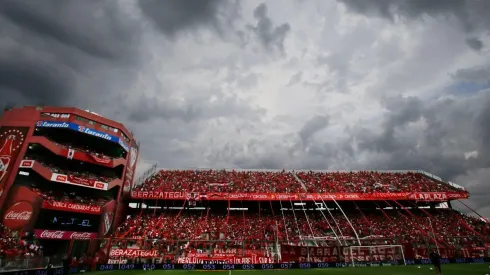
12, 263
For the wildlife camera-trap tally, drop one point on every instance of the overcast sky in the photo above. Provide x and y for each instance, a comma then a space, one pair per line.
296, 84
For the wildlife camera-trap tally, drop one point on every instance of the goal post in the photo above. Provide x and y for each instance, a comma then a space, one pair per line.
376, 253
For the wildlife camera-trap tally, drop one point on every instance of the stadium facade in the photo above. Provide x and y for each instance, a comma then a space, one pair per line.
64, 176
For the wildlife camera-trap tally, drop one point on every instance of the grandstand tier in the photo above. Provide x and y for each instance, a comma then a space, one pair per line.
253, 185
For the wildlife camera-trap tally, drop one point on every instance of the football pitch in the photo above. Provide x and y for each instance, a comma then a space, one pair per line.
449, 269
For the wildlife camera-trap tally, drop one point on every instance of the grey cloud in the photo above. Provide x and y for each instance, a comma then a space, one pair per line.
480, 74
312, 126
475, 43
451, 130
472, 15
173, 16
271, 37
295, 79
193, 108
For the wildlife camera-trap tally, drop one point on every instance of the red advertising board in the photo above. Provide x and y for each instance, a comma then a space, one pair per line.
11, 141
441, 196
69, 179
86, 157
72, 207
253, 259
63, 235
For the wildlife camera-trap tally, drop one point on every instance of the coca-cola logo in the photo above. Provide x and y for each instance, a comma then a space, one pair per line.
18, 215
63, 235
80, 235
48, 234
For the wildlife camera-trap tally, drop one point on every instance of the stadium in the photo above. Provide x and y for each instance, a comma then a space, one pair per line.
70, 203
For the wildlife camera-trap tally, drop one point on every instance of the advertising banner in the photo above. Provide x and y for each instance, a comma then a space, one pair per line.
441, 196
72, 207
290, 253
226, 259
63, 235
11, 141
82, 129
21, 209
69, 179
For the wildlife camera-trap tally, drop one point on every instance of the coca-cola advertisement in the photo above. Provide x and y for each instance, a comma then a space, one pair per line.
70, 179
21, 209
130, 167
63, 235
11, 141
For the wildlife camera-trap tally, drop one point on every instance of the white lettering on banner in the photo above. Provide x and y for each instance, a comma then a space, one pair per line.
46, 234
118, 252
74, 206
94, 133
431, 196
80, 236
117, 261
52, 124
18, 216
285, 196
160, 195
230, 260
260, 196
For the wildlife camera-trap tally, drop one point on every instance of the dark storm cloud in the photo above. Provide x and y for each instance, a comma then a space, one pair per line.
475, 43
452, 129
471, 15
50, 47
172, 16
271, 37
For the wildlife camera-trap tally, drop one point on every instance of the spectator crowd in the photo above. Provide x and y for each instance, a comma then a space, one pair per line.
291, 182
444, 227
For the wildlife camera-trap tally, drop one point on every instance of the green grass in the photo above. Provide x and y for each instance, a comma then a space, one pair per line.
449, 269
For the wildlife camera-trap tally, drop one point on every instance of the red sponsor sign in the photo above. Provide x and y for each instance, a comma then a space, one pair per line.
231, 252
301, 196
82, 156
229, 260
339, 254
100, 160
26, 163
71, 207
18, 215
63, 178
63, 235
81, 181
132, 253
